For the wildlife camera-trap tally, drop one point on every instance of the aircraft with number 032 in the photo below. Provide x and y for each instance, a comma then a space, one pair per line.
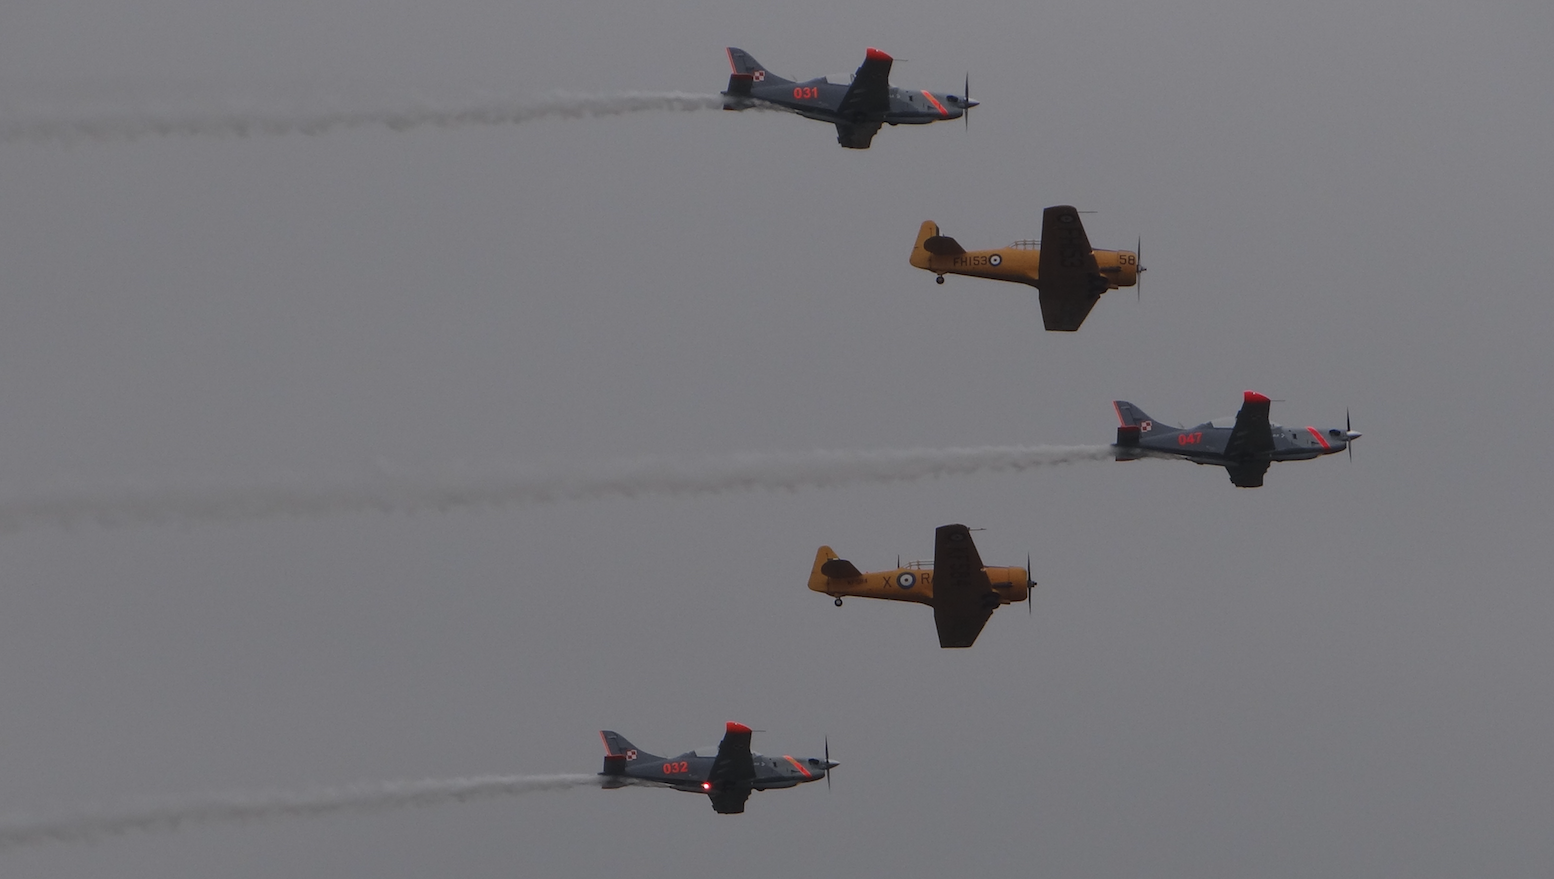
858, 109
1245, 445
726, 774
961, 590
1069, 275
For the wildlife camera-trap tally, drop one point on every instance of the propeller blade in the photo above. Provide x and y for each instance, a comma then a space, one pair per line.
1348, 429
1030, 600
828, 762
1138, 276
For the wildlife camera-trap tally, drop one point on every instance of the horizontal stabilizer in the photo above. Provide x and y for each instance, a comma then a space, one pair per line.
739, 85
943, 245
840, 569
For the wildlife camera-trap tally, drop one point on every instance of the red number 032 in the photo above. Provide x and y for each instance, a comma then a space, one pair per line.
675, 768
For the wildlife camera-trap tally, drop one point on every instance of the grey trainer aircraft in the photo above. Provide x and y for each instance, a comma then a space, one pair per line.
726, 774
1245, 446
857, 109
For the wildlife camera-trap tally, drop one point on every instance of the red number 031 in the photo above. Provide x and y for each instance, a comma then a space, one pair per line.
806, 91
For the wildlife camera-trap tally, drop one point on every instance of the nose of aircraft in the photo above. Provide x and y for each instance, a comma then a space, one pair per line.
1353, 435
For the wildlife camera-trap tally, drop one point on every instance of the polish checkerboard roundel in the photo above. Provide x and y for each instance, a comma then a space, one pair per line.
758, 76
631, 754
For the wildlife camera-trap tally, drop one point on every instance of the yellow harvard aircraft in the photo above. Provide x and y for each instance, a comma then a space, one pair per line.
1069, 274
962, 592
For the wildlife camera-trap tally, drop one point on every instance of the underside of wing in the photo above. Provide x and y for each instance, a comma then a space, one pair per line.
1064, 306
869, 95
857, 135
1251, 441
963, 598
729, 801
1068, 276
1248, 475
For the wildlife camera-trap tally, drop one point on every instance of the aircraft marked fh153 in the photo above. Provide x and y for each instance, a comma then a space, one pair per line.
1068, 273
726, 775
961, 590
858, 109
1245, 446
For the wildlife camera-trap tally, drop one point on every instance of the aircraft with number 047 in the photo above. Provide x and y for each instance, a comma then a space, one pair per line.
961, 590
858, 109
1069, 275
1245, 445
726, 774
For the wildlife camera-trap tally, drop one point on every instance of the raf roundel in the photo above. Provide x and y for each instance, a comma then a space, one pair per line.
906, 579
995, 260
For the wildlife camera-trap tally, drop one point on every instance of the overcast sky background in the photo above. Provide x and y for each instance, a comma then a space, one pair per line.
1343, 205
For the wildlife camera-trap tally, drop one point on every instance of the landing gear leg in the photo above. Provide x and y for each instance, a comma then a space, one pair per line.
939, 279
839, 602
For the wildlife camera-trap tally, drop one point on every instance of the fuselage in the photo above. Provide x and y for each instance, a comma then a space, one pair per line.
820, 99
1020, 262
914, 583
1206, 443
692, 770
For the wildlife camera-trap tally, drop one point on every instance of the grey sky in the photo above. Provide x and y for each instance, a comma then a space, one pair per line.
1342, 205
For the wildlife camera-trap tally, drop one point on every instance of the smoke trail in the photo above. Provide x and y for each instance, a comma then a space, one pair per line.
244, 124
405, 492
240, 808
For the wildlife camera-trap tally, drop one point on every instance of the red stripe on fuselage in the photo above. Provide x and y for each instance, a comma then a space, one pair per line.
1320, 438
935, 102
797, 765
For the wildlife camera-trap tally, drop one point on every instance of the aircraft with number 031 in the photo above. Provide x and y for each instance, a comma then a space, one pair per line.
961, 590
1069, 275
858, 109
726, 774
1245, 445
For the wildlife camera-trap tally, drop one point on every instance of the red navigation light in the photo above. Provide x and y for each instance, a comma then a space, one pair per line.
706, 785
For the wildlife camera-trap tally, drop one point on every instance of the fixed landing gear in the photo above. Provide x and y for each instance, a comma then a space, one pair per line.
839, 602
938, 279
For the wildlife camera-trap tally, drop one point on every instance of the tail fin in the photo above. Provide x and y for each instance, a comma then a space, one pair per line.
920, 254
619, 753
745, 65
1129, 415
828, 567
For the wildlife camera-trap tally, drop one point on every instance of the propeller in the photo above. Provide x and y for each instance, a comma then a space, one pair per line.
1030, 600
828, 762
966, 99
1138, 276
1349, 434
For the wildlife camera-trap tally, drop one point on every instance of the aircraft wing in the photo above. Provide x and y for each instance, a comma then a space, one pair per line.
733, 770
1250, 446
963, 598
869, 95
859, 136
1067, 274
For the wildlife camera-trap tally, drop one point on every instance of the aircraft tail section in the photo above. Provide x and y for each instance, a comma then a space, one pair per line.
745, 65
1133, 423
618, 753
828, 567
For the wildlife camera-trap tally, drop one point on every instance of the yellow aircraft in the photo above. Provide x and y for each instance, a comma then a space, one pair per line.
1070, 275
961, 590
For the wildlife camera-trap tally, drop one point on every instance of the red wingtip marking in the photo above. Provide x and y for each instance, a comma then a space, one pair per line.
734, 727
876, 55
1255, 397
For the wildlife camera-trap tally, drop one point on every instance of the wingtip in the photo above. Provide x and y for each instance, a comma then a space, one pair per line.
874, 54
1255, 397
737, 727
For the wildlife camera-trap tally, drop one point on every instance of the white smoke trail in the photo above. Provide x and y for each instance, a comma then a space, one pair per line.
245, 124
240, 808
404, 492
